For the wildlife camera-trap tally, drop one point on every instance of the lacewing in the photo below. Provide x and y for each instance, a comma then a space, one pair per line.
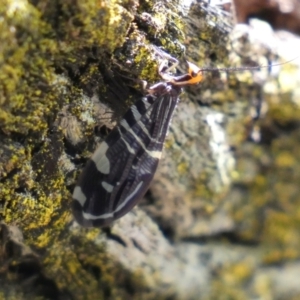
120, 171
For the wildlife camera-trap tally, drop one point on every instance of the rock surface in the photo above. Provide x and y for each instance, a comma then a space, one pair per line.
221, 219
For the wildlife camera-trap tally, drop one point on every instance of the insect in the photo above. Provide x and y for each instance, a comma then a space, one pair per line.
120, 171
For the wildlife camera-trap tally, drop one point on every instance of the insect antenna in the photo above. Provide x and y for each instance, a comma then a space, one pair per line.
246, 68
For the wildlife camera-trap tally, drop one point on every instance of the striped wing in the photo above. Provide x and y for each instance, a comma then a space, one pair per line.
121, 169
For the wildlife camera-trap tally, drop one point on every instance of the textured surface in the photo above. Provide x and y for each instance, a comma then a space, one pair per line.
221, 219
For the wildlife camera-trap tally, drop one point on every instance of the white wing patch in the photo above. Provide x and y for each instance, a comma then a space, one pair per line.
108, 187
79, 195
100, 159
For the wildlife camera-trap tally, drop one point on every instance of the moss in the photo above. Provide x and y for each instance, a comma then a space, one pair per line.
56, 57
274, 196
85, 270
222, 291
29, 101
231, 280
268, 211
33, 186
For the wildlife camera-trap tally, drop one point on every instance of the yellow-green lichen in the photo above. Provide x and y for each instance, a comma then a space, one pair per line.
54, 60
83, 268
270, 174
33, 186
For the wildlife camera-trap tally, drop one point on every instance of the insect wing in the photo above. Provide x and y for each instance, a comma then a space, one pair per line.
121, 169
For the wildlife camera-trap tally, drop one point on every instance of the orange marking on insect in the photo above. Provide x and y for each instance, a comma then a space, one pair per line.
194, 76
